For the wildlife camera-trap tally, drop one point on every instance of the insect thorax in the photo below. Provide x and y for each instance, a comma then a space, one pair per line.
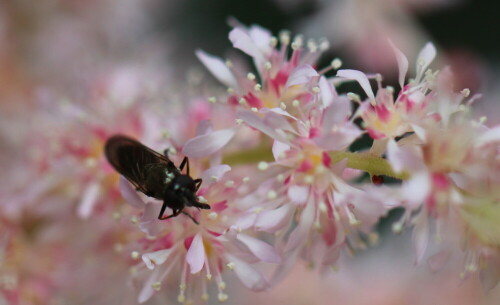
158, 178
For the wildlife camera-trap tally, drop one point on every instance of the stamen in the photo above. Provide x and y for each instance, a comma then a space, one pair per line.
246, 179
262, 165
229, 63
212, 99
118, 247
212, 215
322, 207
181, 298
312, 46
296, 103
354, 97
134, 255
117, 215
204, 297
251, 76
242, 101
282, 105
90, 162
271, 195
254, 109
298, 41
156, 286
222, 297
336, 63
315, 89
317, 225
324, 44
230, 90
353, 221
134, 219
268, 65
309, 179
465, 92
257, 87
239, 121
202, 199
284, 37
273, 41
231, 265
397, 227
229, 183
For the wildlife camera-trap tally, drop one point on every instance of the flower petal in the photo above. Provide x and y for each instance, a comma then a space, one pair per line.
248, 275
89, 199
195, 256
274, 220
416, 190
218, 69
361, 78
256, 122
298, 194
279, 149
327, 91
424, 59
338, 140
215, 173
205, 145
147, 290
278, 111
300, 233
153, 259
420, 238
149, 223
337, 113
260, 249
242, 40
492, 135
204, 127
129, 194
402, 64
402, 158
262, 38
301, 75
438, 260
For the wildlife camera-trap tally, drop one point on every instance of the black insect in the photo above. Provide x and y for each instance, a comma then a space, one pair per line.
155, 175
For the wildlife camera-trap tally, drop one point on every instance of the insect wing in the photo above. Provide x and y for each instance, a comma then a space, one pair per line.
131, 159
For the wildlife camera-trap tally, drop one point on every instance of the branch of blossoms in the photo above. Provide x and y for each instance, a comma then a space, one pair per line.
296, 190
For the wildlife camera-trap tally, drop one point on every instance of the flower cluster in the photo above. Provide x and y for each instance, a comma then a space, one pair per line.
293, 167
284, 183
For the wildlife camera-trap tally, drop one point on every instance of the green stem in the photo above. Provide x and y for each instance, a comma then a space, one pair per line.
367, 162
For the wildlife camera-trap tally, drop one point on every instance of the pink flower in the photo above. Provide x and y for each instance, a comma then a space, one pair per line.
329, 212
280, 79
199, 253
449, 187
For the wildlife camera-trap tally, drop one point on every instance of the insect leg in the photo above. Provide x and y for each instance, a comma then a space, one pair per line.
175, 213
184, 162
192, 218
198, 183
